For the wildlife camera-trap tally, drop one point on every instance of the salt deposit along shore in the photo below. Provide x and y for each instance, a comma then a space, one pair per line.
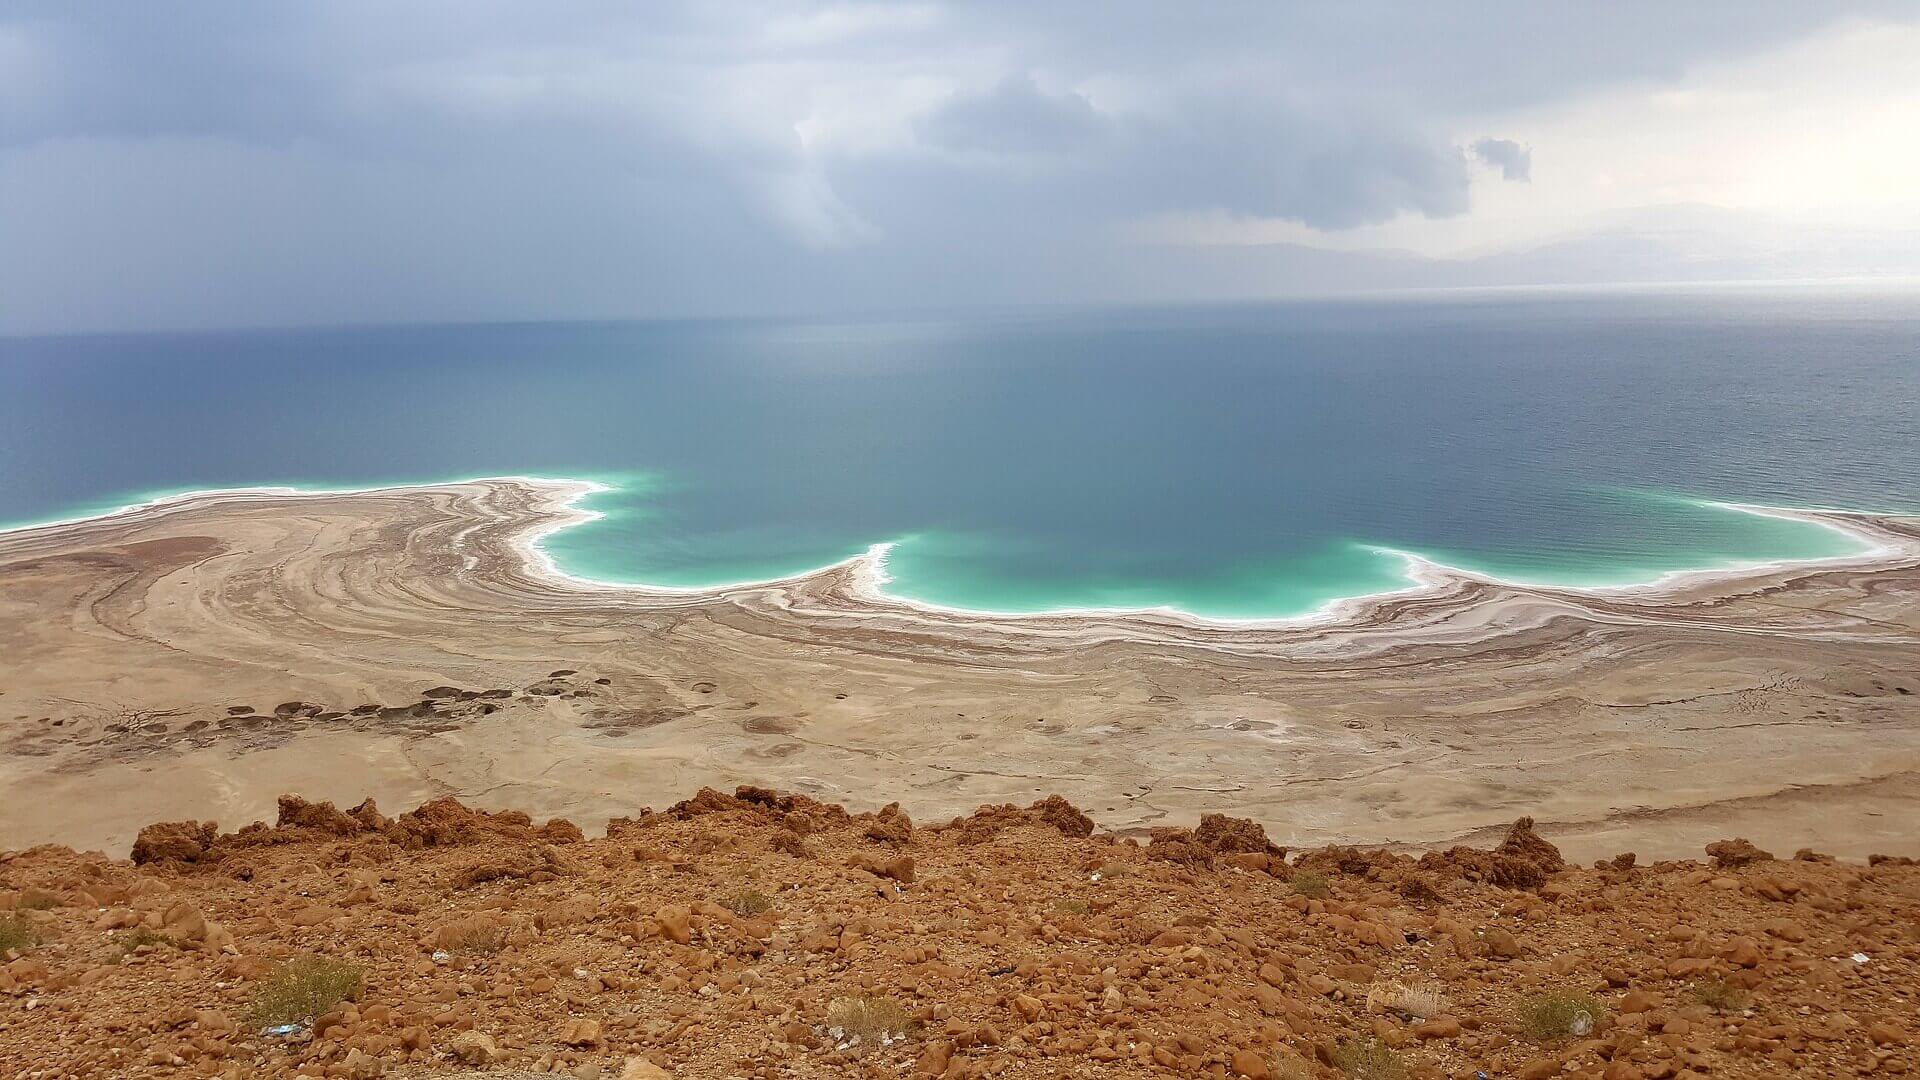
196, 657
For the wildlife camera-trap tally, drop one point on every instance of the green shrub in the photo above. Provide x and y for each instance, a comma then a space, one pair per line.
1720, 995
304, 989
1369, 1059
749, 902
867, 1019
1560, 1014
17, 933
1313, 886
134, 939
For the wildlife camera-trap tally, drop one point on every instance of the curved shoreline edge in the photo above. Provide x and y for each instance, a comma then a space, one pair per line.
1766, 705
865, 575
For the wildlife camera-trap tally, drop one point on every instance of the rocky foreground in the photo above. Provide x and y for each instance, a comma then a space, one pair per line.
766, 935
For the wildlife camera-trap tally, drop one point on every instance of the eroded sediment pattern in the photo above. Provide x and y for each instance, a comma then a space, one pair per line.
197, 657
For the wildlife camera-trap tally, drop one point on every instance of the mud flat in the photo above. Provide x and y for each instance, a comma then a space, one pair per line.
195, 658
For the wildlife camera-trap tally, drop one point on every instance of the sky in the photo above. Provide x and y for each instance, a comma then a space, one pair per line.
244, 164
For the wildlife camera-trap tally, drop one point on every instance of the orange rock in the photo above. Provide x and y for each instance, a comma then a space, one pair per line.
890, 825
1540, 1068
934, 1059
1786, 930
174, 841
581, 1032
1501, 943
1249, 1064
1736, 852
1744, 952
899, 867
475, 1048
675, 924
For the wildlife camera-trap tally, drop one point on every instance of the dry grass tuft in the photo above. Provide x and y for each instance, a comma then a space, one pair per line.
749, 902
134, 939
304, 989
1422, 1001
472, 935
1720, 995
17, 933
1312, 886
1369, 1059
1287, 1065
1560, 1014
869, 1020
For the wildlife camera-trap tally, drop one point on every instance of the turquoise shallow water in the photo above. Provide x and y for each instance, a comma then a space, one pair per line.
1229, 461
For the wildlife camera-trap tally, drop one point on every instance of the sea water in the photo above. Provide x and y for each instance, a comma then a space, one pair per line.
1230, 461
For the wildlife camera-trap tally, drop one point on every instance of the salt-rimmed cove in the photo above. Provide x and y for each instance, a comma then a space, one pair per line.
1233, 463
871, 577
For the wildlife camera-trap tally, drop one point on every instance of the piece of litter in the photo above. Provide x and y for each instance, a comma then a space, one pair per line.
1860, 958
280, 1030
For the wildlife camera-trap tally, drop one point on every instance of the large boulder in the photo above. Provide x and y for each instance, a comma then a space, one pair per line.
174, 841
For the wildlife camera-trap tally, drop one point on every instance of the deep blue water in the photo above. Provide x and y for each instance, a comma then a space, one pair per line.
1237, 461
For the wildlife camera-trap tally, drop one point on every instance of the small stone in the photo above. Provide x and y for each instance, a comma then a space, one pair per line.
581, 1032
934, 1059
674, 924
1501, 943
475, 1048
1540, 1069
1637, 1001
1744, 952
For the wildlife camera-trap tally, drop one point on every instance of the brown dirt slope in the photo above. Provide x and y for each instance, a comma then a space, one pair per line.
767, 935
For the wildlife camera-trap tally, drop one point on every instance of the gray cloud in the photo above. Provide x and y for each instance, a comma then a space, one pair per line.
1015, 117
1514, 161
239, 163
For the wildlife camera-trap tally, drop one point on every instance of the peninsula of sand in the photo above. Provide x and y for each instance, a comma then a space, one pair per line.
196, 657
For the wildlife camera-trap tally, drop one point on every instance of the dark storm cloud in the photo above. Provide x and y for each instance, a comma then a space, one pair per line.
237, 163
1514, 161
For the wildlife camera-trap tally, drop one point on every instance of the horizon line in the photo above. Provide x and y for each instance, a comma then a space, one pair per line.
1897, 284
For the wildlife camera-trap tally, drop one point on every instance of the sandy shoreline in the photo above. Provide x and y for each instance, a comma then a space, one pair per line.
1783, 702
